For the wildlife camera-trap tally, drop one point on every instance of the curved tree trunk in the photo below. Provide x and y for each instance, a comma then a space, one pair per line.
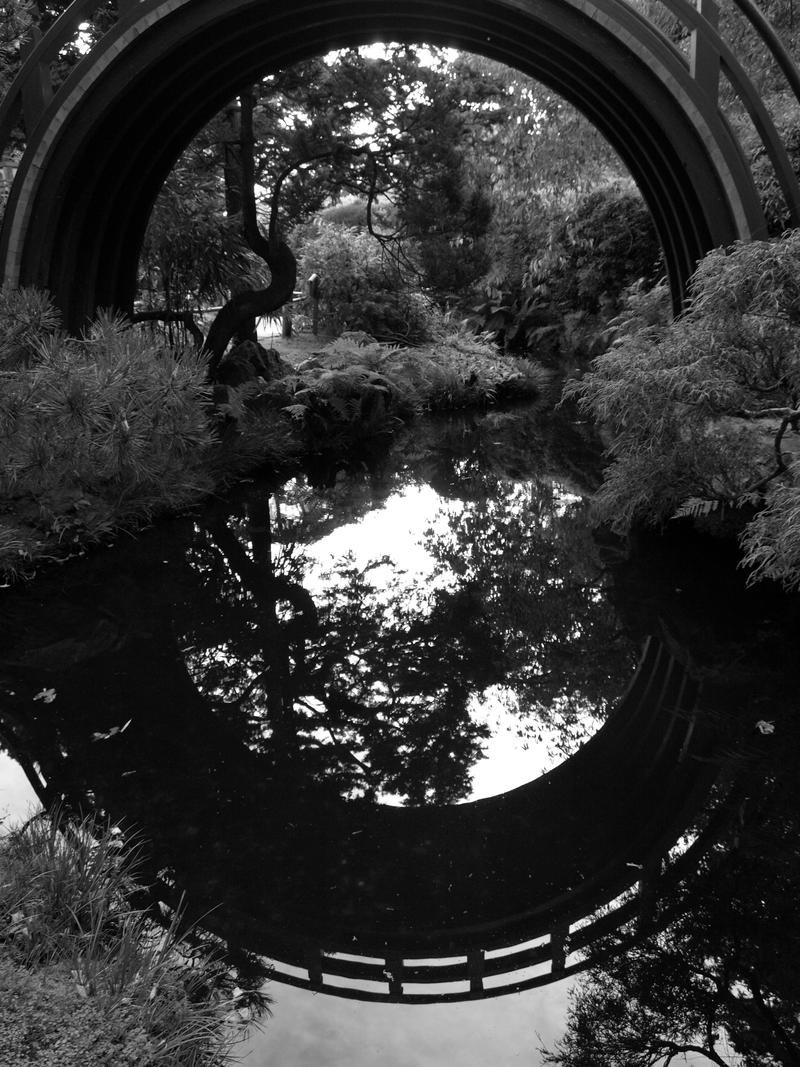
253, 303
236, 318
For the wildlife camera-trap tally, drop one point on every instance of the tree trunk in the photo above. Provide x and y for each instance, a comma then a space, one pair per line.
237, 317
253, 303
235, 177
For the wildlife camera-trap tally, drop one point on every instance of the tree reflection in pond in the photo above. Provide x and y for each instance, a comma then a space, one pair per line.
379, 682
259, 681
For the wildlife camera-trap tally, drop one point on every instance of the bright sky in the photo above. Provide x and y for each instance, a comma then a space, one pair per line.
17, 798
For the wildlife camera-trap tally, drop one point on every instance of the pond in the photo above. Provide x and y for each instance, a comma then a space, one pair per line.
410, 715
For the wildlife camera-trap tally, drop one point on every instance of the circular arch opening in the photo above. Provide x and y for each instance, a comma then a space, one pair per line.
113, 132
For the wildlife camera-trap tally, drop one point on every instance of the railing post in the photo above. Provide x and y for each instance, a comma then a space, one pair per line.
37, 90
703, 56
314, 967
558, 948
394, 974
475, 968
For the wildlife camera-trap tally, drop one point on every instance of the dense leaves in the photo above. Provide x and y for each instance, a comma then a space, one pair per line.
701, 410
362, 286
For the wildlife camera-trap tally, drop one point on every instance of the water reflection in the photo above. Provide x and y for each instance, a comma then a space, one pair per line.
377, 681
715, 971
222, 685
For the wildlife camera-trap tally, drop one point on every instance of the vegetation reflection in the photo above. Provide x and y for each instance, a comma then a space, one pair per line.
374, 681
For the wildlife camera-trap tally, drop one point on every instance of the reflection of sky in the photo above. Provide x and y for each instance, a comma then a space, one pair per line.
397, 530
310, 1030
16, 796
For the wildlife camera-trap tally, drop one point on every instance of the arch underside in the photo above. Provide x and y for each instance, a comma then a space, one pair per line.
103, 148
293, 872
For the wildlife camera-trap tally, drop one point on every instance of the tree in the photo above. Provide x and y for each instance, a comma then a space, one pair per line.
568, 229
345, 124
15, 22
192, 254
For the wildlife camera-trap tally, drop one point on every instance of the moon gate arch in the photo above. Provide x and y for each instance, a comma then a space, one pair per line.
99, 149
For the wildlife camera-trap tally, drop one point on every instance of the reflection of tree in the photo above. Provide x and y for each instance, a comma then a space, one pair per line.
724, 969
375, 699
726, 966
395, 678
526, 554
376, 695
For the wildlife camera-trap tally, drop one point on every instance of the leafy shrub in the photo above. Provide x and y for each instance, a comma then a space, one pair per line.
699, 409
520, 318
606, 243
94, 433
456, 371
362, 287
45, 1022
573, 281
642, 306
772, 540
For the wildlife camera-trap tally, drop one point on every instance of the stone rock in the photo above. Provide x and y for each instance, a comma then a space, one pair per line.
247, 361
312, 363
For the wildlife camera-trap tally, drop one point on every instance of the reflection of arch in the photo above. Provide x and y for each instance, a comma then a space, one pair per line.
393, 902
402, 900
100, 149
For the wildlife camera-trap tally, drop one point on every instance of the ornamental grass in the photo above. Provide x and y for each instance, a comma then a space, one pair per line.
89, 980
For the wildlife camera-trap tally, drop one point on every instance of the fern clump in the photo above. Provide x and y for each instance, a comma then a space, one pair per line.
456, 371
701, 412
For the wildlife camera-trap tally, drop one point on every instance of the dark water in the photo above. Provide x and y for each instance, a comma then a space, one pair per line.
321, 702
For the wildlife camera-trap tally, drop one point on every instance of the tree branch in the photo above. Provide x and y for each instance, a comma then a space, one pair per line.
185, 318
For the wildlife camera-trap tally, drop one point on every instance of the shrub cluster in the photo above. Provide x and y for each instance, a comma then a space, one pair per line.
95, 433
362, 286
580, 262
702, 411
103, 432
357, 388
356, 391
88, 979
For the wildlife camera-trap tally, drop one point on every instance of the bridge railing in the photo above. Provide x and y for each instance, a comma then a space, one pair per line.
712, 57
570, 947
